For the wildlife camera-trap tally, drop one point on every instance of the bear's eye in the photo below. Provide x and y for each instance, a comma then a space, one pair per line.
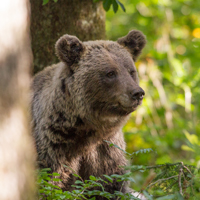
132, 73
110, 74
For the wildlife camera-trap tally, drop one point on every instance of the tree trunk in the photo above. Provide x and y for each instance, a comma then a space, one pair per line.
17, 178
82, 18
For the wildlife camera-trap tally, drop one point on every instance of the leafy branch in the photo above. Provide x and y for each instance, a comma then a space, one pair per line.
106, 4
164, 184
115, 4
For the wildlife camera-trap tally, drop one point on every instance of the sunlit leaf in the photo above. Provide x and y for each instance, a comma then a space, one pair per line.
45, 2
107, 4
115, 5
121, 5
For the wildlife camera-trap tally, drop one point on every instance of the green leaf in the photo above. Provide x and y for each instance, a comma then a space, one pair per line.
148, 150
93, 198
56, 179
55, 174
107, 4
121, 5
46, 169
111, 144
95, 1
47, 178
55, 186
76, 175
45, 2
109, 178
78, 181
61, 196
77, 186
166, 197
131, 179
115, 6
76, 191
93, 178
55, 1
147, 195
179, 196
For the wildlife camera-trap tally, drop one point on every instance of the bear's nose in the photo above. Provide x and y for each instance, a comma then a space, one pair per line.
137, 94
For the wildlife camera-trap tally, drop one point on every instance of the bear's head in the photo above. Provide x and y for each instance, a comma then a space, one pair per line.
102, 80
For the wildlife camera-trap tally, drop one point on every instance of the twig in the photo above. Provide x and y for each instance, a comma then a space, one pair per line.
81, 192
190, 183
192, 176
188, 170
179, 181
170, 186
163, 179
159, 166
85, 190
121, 188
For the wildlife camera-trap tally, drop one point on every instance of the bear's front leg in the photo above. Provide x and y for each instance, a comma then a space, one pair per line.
61, 161
105, 159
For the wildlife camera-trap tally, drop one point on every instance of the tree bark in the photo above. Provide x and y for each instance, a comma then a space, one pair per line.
82, 18
17, 178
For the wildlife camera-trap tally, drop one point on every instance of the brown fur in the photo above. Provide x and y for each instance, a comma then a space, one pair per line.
82, 101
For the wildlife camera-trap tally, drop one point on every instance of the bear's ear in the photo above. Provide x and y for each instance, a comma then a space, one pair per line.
69, 49
134, 41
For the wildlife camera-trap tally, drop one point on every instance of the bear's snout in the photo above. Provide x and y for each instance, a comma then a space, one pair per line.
137, 94
131, 99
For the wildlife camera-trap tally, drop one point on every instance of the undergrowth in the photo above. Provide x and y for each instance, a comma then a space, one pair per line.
168, 181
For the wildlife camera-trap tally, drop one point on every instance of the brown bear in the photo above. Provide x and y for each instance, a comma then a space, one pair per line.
82, 101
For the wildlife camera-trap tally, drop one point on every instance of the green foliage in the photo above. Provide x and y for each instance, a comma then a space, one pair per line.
170, 75
46, 189
87, 189
167, 181
115, 4
170, 178
106, 4
46, 1
148, 150
193, 144
168, 121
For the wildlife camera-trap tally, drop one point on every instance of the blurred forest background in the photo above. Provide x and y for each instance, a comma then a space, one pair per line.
169, 69
168, 121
